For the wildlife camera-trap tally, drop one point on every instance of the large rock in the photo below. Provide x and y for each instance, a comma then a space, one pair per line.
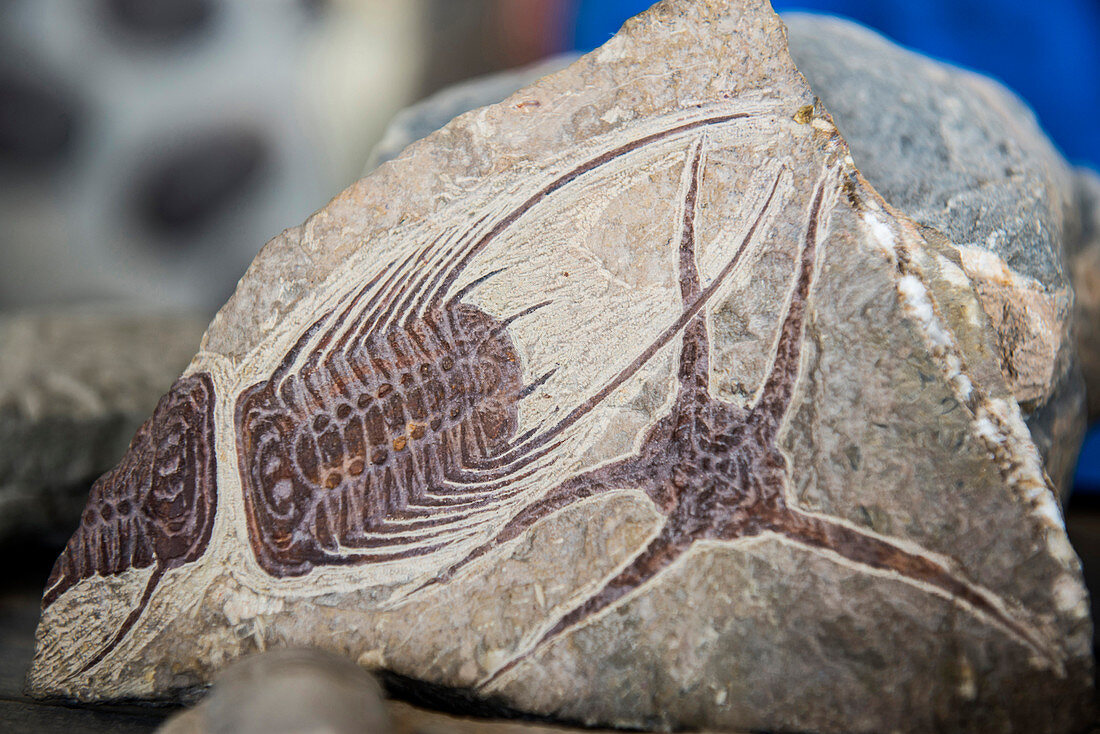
626, 401
956, 152
74, 386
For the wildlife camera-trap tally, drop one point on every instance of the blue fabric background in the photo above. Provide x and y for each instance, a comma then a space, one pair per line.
1048, 52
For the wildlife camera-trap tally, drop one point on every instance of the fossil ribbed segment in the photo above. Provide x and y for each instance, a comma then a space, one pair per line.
338, 459
156, 508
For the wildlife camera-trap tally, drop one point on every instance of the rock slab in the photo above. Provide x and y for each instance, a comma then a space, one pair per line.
626, 401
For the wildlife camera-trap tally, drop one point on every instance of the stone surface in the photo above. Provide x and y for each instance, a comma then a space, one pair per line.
1084, 262
626, 401
956, 152
430, 114
74, 385
18, 714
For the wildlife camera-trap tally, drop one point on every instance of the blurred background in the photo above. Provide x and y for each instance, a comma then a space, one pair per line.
148, 148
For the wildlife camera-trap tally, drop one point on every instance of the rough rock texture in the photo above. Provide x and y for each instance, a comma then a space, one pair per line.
428, 115
74, 385
626, 401
956, 152
1084, 263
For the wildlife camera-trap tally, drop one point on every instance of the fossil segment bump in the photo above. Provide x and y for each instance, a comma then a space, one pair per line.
155, 509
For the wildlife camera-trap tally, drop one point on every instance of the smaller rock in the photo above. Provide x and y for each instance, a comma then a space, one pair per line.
75, 385
288, 691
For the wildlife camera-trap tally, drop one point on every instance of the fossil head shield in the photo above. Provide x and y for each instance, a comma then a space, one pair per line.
627, 383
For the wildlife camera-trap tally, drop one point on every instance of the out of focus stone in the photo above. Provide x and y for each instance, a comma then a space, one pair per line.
626, 401
409, 719
307, 691
1084, 261
289, 691
74, 386
956, 152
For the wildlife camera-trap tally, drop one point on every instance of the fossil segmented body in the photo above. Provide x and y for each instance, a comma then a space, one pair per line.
156, 508
388, 429
342, 455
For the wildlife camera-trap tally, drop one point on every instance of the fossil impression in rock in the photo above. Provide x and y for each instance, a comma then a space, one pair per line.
634, 405
954, 151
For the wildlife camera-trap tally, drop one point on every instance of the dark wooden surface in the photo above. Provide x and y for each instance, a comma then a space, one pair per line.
26, 565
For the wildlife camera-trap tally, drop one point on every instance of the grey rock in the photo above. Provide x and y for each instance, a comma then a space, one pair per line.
960, 153
74, 386
955, 151
952, 149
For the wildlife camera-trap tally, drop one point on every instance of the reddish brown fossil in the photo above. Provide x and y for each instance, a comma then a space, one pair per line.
399, 424
156, 508
389, 425
714, 469
341, 454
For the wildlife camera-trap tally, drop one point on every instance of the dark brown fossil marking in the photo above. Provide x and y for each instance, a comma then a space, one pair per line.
351, 452
398, 429
156, 508
398, 426
714, 469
